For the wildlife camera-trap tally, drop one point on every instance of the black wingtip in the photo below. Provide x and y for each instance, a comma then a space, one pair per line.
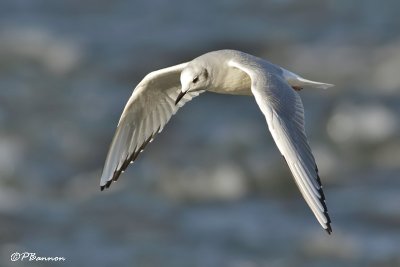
329, 229
107, 185
127, 161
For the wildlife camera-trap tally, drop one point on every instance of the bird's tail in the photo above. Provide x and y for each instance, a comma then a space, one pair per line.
296, 81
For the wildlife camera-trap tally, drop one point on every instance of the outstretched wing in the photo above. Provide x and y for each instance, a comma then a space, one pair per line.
283, 110
148, 110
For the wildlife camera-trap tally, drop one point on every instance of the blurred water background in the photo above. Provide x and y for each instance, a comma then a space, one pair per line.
212, 189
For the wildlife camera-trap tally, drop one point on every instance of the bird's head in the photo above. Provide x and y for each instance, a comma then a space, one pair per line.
193, 78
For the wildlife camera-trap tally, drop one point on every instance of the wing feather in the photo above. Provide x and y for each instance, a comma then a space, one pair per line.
146, 113
283, 110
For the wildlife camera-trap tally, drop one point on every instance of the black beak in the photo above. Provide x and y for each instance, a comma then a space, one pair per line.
181, 94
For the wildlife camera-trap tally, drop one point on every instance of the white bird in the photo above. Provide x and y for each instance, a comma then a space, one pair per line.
161, 93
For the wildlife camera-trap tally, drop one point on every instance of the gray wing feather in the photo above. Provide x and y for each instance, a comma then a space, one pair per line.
147, 112
286, 124
283, 110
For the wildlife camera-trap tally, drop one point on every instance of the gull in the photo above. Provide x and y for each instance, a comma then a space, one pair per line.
161, 93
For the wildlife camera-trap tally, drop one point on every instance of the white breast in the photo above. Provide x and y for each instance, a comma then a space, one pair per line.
232, 81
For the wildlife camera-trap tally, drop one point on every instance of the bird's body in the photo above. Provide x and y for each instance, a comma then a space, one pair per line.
228, 80
161, 93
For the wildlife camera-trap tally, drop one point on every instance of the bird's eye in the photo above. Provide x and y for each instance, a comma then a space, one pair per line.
196, 79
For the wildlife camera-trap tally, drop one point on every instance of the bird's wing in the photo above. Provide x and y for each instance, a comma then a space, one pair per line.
149, 108
283, 110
